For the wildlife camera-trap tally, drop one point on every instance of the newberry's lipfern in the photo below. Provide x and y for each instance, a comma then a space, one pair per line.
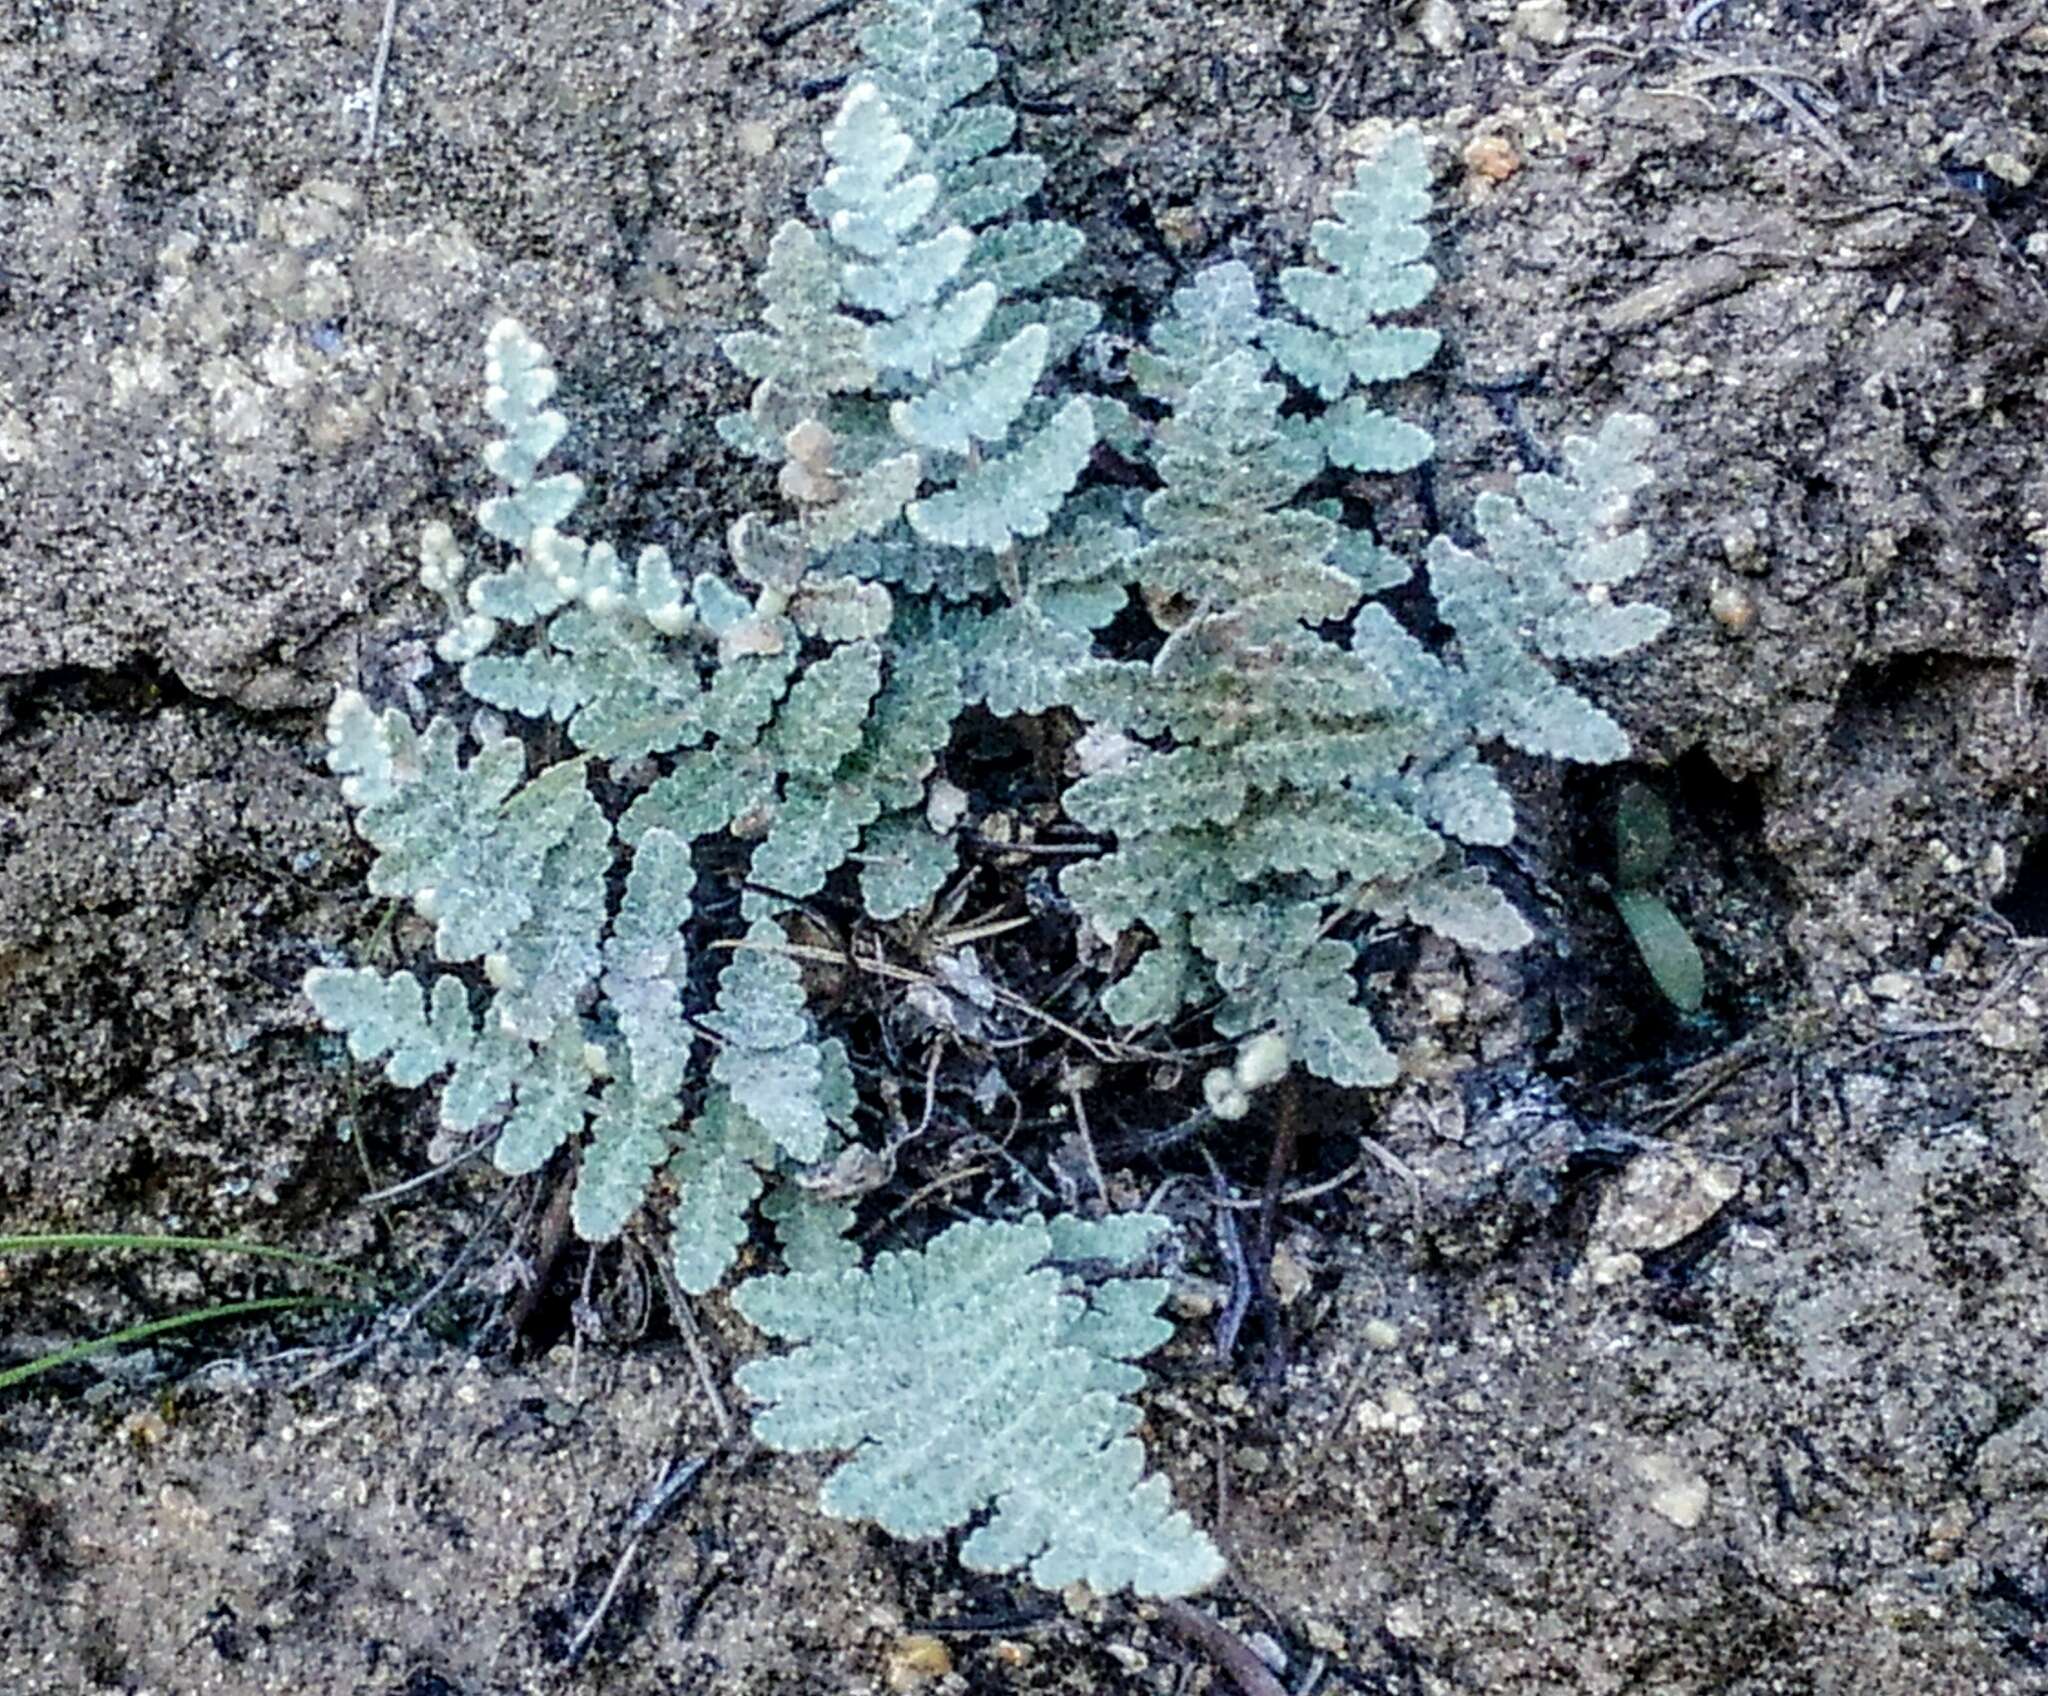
614, 977
1292, 760
584, 996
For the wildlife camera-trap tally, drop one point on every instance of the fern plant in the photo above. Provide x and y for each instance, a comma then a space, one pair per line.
1292, 758
911, 335
788, 708
612, 975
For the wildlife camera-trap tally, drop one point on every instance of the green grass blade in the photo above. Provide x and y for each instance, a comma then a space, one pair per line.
172, 1245
158, 1327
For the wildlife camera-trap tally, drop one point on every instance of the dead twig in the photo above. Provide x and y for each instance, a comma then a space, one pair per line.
1723, 1071
997, 846
1771, 81
980, 930
583, 1321
1231, 1320
1222, 1646
931, 1091
781, 35
693, 1344
554, 1237
399, 1320
1286, 1098
377, 70
1133, 1144
1307, 1192
1087, 1137
393, 1191
1101, 1048
665, 1494
918, 1197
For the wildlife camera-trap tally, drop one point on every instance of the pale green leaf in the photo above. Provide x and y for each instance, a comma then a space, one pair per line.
1465, 907
629, 1138
904, 864
977, 403
1666, 946
996, 1402
1015, 494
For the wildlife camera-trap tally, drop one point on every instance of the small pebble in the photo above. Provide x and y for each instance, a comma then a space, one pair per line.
1291, 1278
1546, 22
2009, 168
1732, 607
1268, 1649
1492, 157
1676, 1492
1444, 1006
915, 1661
1440, 25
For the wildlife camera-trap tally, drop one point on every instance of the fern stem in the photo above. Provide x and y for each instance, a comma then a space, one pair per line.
1279, 1167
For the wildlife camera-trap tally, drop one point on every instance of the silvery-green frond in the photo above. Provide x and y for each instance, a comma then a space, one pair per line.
976, 403
468, 843
904, 859
384, 1015
1154, 878
646, 970
1540, 589
543, 965
646, 963
551, 1101
817, 825
825, 714
520, 380
768, 1056
810, 349
1031, 652
1014, 494
847, 747
910, 721
630, 1135
727, 1158
1312, 1002
904, 863
717, 1174
385, 1018
619, 661
1211, 317
1464, 907
980, 1375
922, 55
918, 221
1373, 251
812, 1230
1282, 755
1022, 659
